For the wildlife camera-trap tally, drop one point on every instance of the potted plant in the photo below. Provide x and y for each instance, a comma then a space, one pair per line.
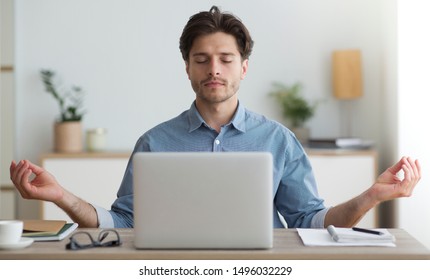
68, 128
295, 108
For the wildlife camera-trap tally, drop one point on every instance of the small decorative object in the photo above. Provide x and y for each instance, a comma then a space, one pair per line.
295, 108
347, 76
347, 83
96, 139
68, 128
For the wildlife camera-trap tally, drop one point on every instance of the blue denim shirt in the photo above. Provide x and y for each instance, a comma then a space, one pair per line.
295, 193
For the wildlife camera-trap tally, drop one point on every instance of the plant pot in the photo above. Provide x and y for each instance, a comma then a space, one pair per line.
302, 134
68, 137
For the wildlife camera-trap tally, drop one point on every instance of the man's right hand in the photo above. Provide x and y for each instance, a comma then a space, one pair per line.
34, 182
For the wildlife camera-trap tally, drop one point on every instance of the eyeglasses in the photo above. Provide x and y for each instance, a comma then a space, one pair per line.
83, 240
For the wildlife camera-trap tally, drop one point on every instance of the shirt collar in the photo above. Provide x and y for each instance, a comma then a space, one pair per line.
196, 120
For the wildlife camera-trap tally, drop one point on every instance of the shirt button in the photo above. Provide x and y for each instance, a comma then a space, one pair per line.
217, 141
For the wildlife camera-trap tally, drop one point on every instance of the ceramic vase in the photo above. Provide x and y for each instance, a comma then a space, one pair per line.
68, 137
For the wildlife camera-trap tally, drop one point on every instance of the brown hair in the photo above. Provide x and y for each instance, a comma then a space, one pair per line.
205, 23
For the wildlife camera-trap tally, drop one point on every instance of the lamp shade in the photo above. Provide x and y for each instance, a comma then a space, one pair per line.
347, 80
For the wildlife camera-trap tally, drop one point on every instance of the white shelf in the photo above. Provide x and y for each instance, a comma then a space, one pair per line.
344, 174
95, 177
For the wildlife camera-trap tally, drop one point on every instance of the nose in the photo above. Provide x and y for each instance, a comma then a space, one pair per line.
214, 68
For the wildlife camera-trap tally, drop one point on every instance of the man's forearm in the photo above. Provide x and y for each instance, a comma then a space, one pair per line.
78, 210
350, 213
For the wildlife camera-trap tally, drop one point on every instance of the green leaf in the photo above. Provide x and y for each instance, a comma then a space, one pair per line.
70, 102
295, 107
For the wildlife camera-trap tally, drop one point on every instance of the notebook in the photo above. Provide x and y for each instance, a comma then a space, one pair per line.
203, 200
357, 235
48, 230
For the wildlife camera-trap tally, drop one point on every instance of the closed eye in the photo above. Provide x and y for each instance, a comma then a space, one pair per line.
200, 58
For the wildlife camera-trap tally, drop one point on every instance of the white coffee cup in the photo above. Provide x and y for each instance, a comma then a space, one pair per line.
10, 231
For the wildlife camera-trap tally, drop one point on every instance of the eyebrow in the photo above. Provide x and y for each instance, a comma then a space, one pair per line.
222, 54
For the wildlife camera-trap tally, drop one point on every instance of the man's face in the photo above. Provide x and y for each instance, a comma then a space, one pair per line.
215, 68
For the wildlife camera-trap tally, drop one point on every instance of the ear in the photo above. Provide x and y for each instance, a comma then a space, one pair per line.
187, 69
244, 69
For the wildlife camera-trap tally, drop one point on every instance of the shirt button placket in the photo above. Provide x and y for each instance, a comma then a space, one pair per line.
216, 145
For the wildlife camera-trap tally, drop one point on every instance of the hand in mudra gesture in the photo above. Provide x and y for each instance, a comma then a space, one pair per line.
34, 182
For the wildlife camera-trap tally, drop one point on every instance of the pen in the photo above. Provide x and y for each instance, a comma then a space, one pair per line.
367, 230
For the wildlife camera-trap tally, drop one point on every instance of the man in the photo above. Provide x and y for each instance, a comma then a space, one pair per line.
216, 47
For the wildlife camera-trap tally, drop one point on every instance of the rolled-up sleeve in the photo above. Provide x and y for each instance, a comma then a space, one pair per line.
297, 198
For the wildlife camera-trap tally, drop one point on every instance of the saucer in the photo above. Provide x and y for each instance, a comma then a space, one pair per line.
24, 242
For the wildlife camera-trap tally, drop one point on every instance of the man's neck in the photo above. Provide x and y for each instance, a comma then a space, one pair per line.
217, 115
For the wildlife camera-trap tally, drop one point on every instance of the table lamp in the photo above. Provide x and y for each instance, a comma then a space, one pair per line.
347, 80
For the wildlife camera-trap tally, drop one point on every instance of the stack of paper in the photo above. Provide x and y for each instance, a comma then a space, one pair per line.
339, 143
349, 235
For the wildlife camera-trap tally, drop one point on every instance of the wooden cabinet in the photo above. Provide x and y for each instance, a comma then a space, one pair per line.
7, 203
94, 177
344, 174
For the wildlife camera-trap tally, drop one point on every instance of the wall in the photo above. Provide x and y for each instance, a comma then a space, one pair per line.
388, 102
413, 112
129, 64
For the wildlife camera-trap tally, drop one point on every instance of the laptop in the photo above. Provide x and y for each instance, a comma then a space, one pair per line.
203, 200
